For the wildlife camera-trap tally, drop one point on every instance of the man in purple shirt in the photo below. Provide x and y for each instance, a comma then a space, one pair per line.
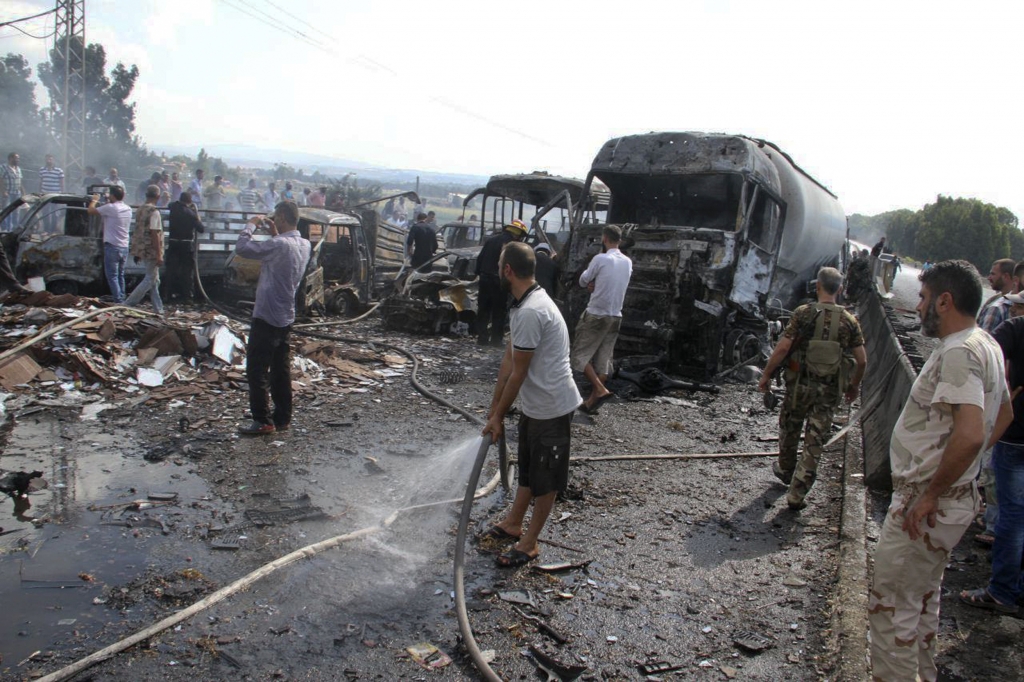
283, 259
117, 217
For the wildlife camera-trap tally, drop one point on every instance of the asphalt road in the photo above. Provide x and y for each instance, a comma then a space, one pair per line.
691, 563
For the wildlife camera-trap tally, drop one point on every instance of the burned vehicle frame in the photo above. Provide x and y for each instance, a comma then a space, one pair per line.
338, 277
430, 300
724, 232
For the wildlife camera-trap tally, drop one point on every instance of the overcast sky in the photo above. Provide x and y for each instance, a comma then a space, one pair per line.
887, 103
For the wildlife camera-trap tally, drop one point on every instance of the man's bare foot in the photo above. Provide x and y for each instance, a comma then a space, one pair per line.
595, 400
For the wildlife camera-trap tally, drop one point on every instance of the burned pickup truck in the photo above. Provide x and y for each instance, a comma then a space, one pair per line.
353, 260
725, 233
55, 239
353, 263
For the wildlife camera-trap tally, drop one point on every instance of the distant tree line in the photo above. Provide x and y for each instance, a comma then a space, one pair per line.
949, 228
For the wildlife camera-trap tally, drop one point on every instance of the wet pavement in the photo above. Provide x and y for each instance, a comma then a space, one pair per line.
689, 560
695, 564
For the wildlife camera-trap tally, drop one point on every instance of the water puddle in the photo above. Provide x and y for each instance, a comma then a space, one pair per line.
105, 516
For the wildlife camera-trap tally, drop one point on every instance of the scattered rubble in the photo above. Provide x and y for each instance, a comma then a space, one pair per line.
127, 357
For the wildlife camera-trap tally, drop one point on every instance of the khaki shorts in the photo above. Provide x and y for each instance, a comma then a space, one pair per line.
595, 340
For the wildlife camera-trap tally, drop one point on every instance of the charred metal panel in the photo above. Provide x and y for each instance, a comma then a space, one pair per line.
683, 154
78, 259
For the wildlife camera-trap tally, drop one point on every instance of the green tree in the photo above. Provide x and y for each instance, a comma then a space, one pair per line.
108, 113
964, 228
110, 138
23, 129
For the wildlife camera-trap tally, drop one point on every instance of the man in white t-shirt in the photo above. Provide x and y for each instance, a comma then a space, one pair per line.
607, 278
958, 404
117, 218
536, 369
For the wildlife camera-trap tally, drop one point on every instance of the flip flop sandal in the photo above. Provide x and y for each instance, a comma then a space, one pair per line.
986, 539
514, 558
497, 533
980, 598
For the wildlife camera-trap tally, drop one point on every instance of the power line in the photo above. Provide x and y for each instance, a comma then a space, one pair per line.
299, 19
34, 16
277, 27
48, 35
366, 62
275, 20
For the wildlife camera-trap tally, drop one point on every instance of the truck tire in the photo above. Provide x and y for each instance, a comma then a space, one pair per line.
62, 286
740, 346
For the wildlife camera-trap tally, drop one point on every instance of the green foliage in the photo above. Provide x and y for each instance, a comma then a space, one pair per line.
109, 115
23, 128
949, 228
347, 192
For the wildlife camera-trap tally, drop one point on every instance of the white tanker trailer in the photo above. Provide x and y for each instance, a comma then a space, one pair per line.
725, 233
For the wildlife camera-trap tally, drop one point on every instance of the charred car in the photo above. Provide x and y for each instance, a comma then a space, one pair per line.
725, 233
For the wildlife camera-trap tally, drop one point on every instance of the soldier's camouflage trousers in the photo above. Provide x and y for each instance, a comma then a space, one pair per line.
903, 605
814, 403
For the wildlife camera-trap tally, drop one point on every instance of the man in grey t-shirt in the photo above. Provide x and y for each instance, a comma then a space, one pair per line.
536, 369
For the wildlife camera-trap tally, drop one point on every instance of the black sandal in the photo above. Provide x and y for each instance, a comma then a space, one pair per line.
514, 558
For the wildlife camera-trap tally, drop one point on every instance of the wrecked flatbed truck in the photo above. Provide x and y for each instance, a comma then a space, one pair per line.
444, 299
725, 233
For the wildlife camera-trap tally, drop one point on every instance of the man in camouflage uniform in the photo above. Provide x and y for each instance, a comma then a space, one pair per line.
958, 404
858, 277
812, 397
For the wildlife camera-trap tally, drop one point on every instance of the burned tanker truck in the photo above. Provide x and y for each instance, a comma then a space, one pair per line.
726, 233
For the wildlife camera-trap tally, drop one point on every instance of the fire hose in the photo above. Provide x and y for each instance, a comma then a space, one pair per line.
311, 550
472, 493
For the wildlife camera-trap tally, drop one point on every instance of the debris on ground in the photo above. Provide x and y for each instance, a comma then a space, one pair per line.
128, 354
428, 656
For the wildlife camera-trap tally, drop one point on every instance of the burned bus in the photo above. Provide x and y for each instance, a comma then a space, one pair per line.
725, 232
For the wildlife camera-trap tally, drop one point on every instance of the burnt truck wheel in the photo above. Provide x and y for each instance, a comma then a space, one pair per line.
62, 286
343, 303
740, 346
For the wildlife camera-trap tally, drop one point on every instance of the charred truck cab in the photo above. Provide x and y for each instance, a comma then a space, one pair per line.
725, 233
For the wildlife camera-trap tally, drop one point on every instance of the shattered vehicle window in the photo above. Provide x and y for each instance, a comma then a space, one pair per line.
764, 222
709, 200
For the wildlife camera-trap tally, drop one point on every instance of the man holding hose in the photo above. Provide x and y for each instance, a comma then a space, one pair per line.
536, 369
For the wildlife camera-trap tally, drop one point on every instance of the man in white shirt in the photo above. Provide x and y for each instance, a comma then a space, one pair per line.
958, 404
270, 197
11, 189
195, 188
114, 180
535, 368
117, 218
607, 278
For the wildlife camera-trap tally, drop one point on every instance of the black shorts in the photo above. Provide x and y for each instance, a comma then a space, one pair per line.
544, 453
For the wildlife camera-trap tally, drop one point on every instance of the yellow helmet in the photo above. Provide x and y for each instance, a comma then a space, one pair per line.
517, 228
